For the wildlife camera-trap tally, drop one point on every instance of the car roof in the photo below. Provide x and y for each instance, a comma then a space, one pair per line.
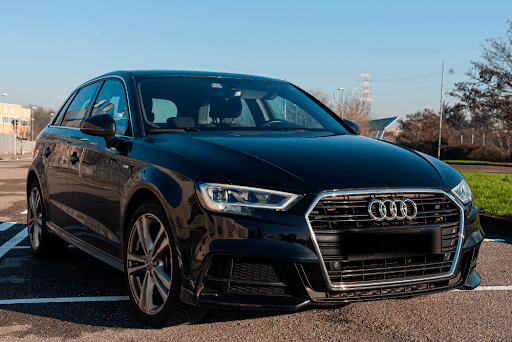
144, 73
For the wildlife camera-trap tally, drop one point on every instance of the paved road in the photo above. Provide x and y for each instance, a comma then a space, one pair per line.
483, 315
482, 168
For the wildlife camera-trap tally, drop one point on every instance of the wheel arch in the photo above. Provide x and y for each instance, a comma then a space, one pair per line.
140, 196
31, 177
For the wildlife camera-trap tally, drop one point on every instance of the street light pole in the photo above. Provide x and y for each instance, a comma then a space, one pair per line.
14, 122
32, 123
342, 100
3, 116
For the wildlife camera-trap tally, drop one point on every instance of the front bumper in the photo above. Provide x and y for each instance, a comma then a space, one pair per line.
240, 281
272, 263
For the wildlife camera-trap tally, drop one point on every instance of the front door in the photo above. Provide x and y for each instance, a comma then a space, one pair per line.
94, 187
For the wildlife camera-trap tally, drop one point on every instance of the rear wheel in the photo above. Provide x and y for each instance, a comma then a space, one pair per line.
151, 270
42, 243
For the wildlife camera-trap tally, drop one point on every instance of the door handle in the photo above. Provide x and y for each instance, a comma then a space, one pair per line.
47, 152
73, 158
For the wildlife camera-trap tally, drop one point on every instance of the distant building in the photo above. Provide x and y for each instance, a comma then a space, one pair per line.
391, 135
10, 112
379, 127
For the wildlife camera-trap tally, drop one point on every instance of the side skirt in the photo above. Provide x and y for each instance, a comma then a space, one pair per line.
86, 247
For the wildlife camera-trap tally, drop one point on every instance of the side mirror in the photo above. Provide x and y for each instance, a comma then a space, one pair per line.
355, 127
99, 125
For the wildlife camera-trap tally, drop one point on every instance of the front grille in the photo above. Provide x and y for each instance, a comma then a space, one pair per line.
357, 249
351, 211
388, 268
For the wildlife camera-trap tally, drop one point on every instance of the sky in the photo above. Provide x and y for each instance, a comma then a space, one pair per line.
48, 48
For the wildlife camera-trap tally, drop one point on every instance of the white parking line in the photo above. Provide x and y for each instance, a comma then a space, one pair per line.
24, 212
6, 247
63, 300
489, 288
125, 298
6, 225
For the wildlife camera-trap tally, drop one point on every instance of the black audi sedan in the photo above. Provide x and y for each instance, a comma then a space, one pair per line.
227, 190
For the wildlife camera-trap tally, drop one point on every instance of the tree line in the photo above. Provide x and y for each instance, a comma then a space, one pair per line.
484, 110
41, 116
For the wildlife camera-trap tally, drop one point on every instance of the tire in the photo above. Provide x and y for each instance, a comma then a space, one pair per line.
42, 243
151, 270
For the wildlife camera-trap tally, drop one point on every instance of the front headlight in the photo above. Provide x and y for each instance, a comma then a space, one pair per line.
463, 192
233, 199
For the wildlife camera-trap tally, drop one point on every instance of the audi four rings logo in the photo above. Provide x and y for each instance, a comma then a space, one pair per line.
387, 209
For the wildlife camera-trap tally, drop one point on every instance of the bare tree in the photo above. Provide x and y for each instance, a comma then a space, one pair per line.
420, 131
350, 107
488, 95
41, 116
490, 88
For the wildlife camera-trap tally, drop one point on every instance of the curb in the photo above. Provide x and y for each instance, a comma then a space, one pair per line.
496, 224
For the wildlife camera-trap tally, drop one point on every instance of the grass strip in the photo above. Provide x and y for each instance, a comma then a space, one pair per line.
492, 192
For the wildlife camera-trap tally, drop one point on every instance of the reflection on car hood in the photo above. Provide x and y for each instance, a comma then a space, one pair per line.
308, 162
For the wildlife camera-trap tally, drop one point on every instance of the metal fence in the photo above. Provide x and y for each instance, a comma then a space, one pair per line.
7, 145
489, 139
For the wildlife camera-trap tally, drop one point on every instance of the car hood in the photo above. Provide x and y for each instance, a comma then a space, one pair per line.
309, 162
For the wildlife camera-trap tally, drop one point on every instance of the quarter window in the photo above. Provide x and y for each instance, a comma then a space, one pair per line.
80, 106
58, 118
112, 101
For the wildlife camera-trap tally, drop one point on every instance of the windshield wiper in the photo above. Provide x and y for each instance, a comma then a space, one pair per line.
171, 130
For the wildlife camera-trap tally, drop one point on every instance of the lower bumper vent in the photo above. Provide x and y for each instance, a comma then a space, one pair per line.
244, 276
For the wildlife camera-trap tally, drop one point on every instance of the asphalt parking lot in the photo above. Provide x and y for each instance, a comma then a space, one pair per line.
80, 298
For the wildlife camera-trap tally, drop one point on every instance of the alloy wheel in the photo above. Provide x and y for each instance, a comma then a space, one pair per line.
149, 264
35, 218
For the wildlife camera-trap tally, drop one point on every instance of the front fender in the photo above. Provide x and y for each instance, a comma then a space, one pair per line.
176, 194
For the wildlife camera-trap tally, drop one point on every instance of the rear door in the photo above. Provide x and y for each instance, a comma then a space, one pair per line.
56, 154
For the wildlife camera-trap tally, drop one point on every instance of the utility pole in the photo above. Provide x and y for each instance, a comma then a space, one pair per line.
440, 117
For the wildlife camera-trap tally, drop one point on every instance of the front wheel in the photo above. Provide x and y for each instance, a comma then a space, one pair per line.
151, 269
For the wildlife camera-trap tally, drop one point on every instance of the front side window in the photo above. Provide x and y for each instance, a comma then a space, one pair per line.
112, 101
79, 106
179, 103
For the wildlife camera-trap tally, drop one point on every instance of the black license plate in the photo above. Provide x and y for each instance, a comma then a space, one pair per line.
391, 243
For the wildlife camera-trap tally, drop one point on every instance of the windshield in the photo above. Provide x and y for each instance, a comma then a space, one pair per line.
181, 103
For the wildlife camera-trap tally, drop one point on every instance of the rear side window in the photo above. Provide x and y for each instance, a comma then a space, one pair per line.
79, 106
112, 101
